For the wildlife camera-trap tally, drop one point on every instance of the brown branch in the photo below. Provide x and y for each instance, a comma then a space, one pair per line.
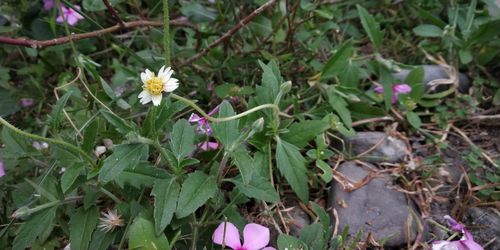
61, 40
114, 13
233, 30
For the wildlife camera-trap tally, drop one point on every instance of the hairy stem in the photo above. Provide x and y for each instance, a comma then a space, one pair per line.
166, 33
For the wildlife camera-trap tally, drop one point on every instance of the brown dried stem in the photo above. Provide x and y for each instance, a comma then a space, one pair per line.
61, 40
114, 13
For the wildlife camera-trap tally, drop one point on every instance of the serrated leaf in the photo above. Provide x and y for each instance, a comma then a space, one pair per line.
428, 30
299, 134
182, 139
123, 156
291, 164
70, 175
324, 219
89, 136
244, 162
340, 106
166, 111
33, 228
56, 115
122, 126
166, 193
371, 27
196, 190
142, 236
102, 240
144, 175
337, 63
313, 236
226, 132
290, 242
258, 188
8, 102
81, 226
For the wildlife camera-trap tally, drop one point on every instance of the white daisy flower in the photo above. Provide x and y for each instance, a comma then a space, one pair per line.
154, 86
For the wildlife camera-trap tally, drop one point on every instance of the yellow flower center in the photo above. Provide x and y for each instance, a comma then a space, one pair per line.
154, 86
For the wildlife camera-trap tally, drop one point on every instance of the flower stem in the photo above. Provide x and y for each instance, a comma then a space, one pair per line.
166, 33
224, 119
68, 146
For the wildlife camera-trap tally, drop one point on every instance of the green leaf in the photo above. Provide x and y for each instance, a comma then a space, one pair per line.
428, 30
371, 27
142, 236
340, 106
313, 236
7, 101
102, 240
416, 81
337, 63
81, 226
196, 190
89, 136
290, 242
70, 175
496, 98
166, 193
327, 171
198, 13
33, 228
226, 132
123, 156
292, 165
182, 139
56, 115
144, 175
97, 5
414, 120
302, 132
122, 126
258, 188
166, 111
324, 219
244, 162
465, 56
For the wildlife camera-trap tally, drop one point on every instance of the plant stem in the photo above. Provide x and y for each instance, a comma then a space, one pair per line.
224, 119
166, 33
65, 145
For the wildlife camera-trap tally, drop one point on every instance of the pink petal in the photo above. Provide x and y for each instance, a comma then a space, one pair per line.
206, 146
59, 19
228, 233
48, 4
215, 110
394, 98
401, 88
255, 236
379, 89
454, 224
194, 118
71, 19
2, 170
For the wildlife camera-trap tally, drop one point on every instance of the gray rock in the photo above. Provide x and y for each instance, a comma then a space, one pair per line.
485, 226
388, 149
432, 72
374, 208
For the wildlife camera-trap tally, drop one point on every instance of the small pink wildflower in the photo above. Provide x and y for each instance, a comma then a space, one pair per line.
70, 15
208, 145
26, 102
465, 243
396, 90
203, 125
2, 170
255, 237
48, 4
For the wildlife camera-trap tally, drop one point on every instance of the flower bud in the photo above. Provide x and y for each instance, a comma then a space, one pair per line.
286, 87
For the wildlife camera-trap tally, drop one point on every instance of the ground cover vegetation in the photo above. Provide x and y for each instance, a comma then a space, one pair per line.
188, 124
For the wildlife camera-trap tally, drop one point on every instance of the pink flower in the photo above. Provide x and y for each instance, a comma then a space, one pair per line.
203, 125
70, 15
26, 102
208, 145
255, 237
465, 243
396, 90
2, 170
48, 4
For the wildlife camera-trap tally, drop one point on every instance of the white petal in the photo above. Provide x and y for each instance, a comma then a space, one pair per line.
161, 72
143, 94
171, 85
166, 74
146, 75
145, 99
156, 99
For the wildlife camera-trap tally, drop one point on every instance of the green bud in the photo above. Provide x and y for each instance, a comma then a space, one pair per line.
286, 87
